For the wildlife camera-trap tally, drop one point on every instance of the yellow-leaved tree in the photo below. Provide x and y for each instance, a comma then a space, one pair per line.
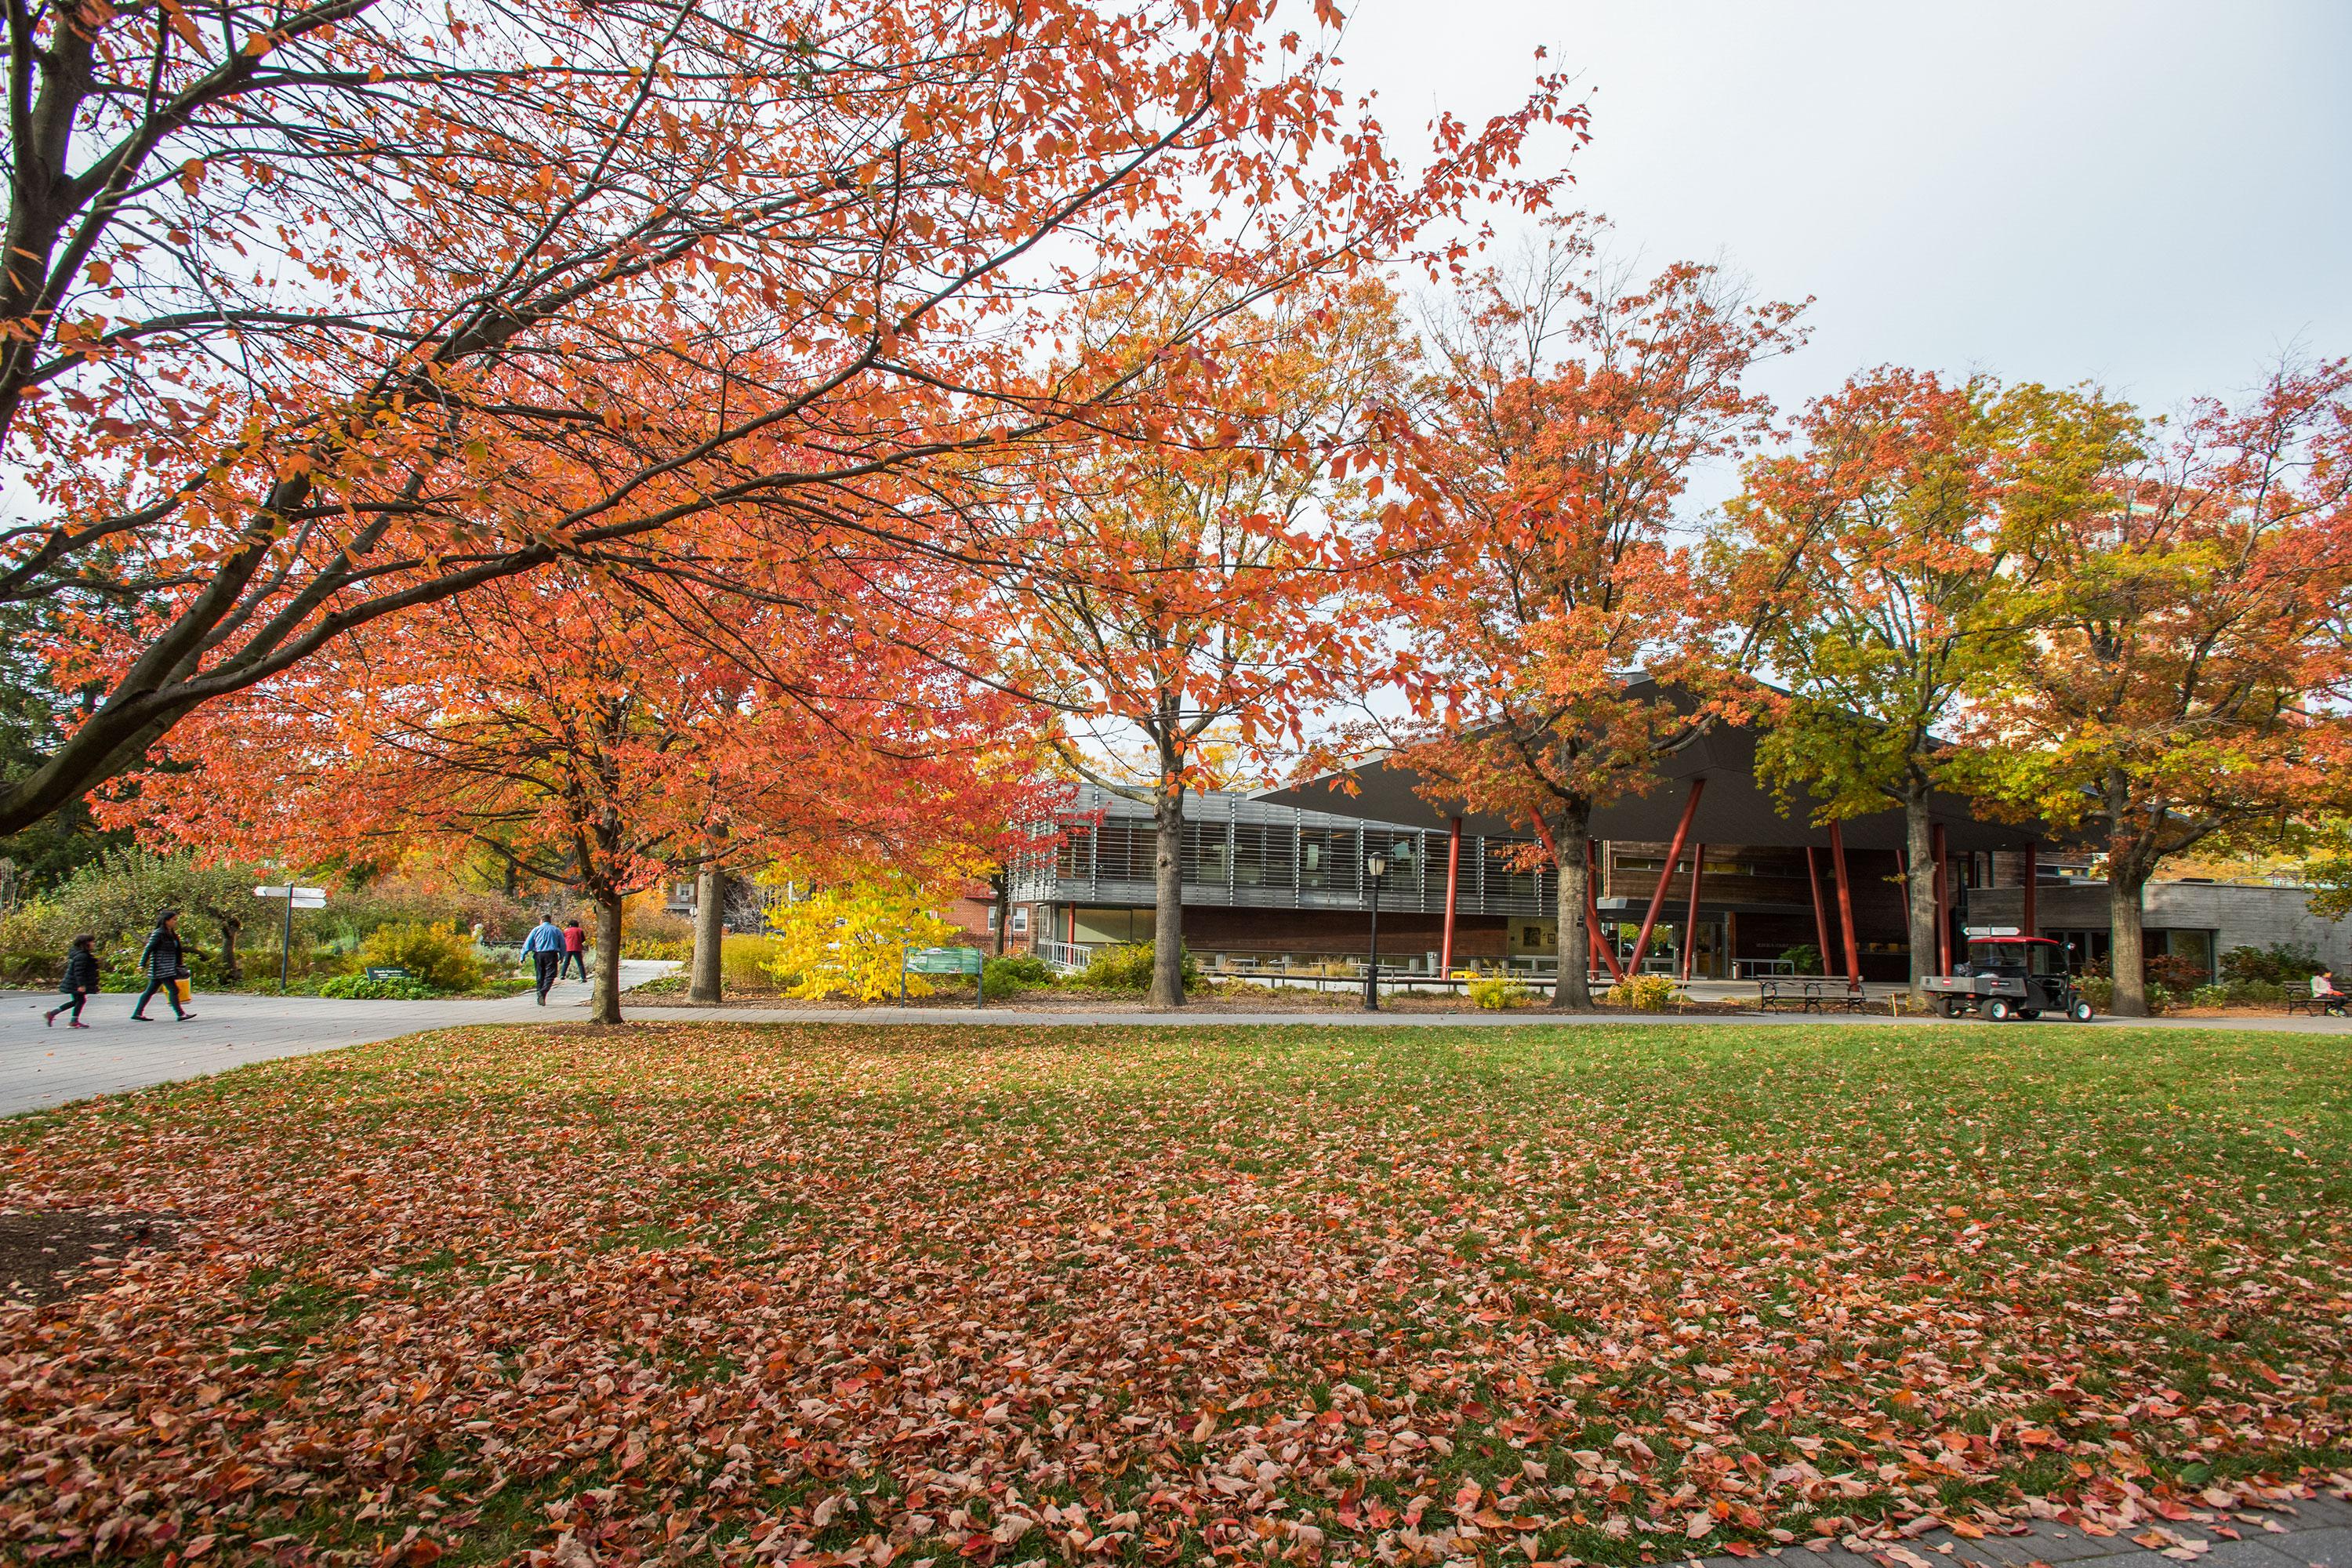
852, 939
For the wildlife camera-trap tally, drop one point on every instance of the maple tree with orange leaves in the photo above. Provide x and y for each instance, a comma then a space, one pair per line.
599, 751
305, 307
1194, 602
1536, 570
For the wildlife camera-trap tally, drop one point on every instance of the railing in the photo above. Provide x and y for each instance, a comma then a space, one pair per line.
1069, 957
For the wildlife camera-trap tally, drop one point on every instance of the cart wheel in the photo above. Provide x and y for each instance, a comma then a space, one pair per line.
1953, 1007
1997, 1009
2080, 1012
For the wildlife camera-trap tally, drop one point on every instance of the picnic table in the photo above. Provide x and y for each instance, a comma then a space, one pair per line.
1785, 993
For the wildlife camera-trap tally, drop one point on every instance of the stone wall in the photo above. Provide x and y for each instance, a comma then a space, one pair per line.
2244, 916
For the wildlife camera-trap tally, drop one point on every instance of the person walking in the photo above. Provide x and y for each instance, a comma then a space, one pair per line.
575, 951
545, 945
164, 966
79, 983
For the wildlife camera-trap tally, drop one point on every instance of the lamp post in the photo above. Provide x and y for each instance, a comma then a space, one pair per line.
1377, 865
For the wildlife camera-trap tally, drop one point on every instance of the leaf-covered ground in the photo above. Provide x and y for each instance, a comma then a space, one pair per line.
1316, 1295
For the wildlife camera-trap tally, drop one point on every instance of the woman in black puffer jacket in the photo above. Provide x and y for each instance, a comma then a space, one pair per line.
164, 965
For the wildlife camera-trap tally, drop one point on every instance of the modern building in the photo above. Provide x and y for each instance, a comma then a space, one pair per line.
1282, 878
1709, 876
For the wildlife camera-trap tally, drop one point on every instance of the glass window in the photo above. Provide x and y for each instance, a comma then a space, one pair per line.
1503, 876
1327, 859
1205, 856
2195, 946
1130, 849
1073, 856
1262, 855
1020, 919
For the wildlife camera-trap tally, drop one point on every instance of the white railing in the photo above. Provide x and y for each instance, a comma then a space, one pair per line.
1069, 957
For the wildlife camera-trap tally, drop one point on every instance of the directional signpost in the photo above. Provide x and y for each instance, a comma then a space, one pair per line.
950, 960
296, 898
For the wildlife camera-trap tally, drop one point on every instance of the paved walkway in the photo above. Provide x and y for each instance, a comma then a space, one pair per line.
42, 1066
2310, 1532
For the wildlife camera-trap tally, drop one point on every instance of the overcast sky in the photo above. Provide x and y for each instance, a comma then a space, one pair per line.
2154, 195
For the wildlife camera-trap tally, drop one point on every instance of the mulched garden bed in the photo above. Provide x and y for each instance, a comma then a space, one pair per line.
48, 1254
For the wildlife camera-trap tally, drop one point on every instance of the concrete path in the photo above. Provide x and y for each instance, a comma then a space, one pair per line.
2310, 1532
42, 1066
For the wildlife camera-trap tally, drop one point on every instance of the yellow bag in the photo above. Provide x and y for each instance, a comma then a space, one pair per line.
182, 990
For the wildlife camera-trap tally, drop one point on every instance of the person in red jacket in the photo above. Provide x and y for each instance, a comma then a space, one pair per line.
575, 952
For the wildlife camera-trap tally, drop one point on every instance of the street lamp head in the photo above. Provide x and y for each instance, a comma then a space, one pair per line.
1377, 865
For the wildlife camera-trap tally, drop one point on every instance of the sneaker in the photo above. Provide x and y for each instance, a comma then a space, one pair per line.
143, 1018
185, 1017
51, 1019
77, 1024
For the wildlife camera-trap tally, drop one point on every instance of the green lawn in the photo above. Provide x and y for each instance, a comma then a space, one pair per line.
1615, 1294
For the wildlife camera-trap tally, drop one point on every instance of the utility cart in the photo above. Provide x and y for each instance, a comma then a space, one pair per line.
2008, 975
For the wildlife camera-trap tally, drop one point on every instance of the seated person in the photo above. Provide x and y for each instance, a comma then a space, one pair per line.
2323, 989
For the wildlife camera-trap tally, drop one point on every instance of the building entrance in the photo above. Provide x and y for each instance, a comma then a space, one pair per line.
1665, 953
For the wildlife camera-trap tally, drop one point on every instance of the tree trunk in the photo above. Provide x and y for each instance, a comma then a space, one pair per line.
708, 984
1168, 907
1920, 886
1002, 883
2126, 943
1570, 990
604, 1000
230, 970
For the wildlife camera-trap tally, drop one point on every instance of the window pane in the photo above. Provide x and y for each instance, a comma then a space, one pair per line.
1204, 853
1327, 859
1262, 855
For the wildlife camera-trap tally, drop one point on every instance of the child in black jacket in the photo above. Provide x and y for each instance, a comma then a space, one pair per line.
80, 981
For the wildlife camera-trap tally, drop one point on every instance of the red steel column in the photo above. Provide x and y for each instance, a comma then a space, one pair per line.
1845, 904
1608, 950
1591, 908
1674, 853
1943, 902
1690, 916
2032, 875
1452, 885
1820, 917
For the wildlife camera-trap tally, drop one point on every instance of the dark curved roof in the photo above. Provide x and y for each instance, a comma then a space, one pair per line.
1735, 808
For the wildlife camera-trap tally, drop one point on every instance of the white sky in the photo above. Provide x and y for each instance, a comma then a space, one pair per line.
2154, 195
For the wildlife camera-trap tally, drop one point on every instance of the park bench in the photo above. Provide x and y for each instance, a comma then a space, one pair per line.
1783, 993
2304, 1001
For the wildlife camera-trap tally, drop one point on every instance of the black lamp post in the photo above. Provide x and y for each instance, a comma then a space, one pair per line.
1377, 865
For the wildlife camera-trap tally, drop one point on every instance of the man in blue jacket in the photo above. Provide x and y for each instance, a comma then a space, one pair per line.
545, 945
